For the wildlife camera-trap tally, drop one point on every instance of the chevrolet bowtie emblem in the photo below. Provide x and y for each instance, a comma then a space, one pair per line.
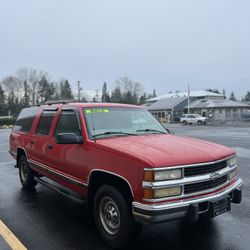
214, 176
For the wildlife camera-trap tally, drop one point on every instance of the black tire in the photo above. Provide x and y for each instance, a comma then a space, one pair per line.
184, 122
26, 174
199, 122
113, 219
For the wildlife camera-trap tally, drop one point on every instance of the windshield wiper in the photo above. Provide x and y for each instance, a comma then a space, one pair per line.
112, 133
150, 130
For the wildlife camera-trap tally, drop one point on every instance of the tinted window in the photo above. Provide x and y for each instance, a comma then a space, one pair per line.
45, 122
67, 123
25, 119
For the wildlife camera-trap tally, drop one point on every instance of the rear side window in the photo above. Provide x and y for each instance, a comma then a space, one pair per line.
25, 119
68, 123
45, 122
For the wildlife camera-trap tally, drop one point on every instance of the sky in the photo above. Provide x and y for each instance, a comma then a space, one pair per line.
164, 45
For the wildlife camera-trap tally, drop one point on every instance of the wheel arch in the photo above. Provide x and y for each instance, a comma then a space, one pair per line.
21, 151
100, 177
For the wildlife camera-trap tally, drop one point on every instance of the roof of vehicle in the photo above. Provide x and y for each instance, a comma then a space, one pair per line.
89, 104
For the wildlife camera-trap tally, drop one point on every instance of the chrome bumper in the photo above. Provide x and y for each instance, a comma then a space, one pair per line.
154, 213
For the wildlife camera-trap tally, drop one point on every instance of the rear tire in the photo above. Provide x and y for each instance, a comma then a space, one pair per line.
113, 217
199, 122
26, 174
184, 123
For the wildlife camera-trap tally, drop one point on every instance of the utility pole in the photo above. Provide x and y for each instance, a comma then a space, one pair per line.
79, 90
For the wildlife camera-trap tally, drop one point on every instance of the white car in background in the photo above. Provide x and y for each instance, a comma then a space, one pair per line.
193, 119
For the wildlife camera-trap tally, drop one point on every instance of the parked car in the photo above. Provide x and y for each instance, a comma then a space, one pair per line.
124, 164
193, 119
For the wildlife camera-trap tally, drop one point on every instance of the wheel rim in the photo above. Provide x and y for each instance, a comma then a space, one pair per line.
24, 171
109, 215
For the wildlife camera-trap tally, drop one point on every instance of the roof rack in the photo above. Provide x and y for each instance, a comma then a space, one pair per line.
59, 102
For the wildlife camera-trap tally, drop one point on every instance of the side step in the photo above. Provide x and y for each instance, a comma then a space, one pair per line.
60, 189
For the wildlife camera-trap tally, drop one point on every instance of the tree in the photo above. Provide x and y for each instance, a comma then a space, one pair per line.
26, 97
247, 97
105, 94
143, 98
46, 90
2, 102
65, 90
232, 96
116, 95
224, 92
130, 90
154, 93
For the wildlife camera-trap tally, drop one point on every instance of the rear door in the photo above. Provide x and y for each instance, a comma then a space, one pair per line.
40, 139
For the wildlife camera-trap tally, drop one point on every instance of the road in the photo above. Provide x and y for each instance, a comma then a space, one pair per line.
43, 219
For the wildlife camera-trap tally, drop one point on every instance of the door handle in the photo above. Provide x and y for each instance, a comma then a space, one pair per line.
50, 146
32, 142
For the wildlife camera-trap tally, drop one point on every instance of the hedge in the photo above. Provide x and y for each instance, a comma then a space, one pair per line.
7, 121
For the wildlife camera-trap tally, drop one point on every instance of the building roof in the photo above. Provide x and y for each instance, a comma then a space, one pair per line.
166, 103
211, 103
198, 93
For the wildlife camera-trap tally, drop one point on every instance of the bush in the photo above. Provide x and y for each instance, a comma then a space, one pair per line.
7, 121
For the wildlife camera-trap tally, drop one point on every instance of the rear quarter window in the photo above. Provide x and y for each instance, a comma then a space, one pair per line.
25, 119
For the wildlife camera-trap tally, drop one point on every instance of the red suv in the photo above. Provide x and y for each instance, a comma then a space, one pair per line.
126, 165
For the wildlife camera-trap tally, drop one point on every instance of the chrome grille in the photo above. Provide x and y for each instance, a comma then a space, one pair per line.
204, 169
205, 185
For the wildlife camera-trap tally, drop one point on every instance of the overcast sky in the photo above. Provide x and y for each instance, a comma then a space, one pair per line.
161, 44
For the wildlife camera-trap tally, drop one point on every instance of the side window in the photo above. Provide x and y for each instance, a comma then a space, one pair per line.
25, 119
45, 122
67, 123
189, 116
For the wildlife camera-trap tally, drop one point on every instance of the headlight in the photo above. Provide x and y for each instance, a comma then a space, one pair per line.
161, 193
232, 161
163, 175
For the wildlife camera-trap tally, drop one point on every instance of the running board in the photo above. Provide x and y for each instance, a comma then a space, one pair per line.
61, 190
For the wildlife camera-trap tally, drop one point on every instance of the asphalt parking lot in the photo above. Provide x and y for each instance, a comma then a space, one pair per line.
42, 219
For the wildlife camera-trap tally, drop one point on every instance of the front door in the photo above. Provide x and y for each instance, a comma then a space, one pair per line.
68, 159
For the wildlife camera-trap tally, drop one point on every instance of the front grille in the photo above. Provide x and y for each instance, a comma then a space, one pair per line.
205, 185
205, 169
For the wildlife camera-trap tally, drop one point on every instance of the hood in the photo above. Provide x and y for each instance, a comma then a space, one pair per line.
167, 150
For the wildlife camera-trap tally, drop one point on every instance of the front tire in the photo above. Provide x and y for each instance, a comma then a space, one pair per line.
113, 218
26, 174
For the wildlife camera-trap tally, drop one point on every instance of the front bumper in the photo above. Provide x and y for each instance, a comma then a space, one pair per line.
189, 208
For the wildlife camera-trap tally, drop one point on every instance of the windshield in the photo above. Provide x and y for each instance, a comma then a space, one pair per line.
106, 122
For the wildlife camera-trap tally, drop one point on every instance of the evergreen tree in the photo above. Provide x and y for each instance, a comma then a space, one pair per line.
154, 93
105, 94
116, 95
247, 97
26, 97
224, 92
142, 99
11, 103
2, 102
46, 90
232, 96
65, 92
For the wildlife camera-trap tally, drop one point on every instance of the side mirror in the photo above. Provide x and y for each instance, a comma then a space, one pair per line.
68, 138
